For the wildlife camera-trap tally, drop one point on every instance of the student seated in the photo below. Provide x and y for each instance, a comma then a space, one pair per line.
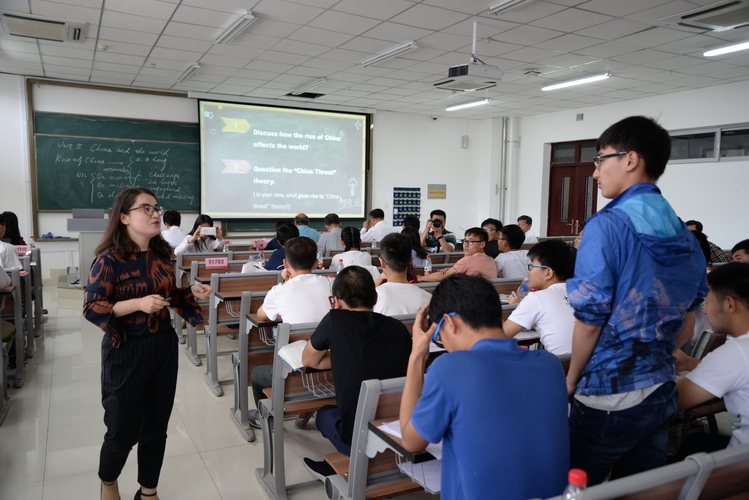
284, 233
547, 310
358, 344
500, 411
8, 253
475, 263
353, 256
724, 372
331, 239
172, 233
396, 295
12, 231
435, 237
715, 252
302, 223
375, 228
512, 262
525, 223
740, 251
302, 298
492, 227
196, 242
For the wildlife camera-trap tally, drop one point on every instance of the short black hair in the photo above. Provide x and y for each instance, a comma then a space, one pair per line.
494, 222
642, 135
527, 219
285, 232
741, 245
704, 244
172, 217
301, 253
731, 279
2, 220
284, 221
351, 238
355, 285
331, 219
301, 220
395, 248
377, 213
697, 224
556, 254
438, 212
514, 235
472, 297
479, 232
411, 221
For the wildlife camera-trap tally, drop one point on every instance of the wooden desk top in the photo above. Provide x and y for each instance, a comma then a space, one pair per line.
253, 318
396, 444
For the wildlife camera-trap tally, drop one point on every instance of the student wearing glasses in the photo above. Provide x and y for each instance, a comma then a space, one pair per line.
476, 262
492, 227
546, 310
131, 284
500, 410
639, 277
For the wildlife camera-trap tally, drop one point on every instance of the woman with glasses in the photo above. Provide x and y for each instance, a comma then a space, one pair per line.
198, 240
131, 283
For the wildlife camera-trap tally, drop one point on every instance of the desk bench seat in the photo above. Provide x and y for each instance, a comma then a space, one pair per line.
381, 464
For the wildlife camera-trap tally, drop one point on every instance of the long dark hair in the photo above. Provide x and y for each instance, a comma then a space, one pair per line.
351, 238
116, 238
11, 229
200, 243
415, 238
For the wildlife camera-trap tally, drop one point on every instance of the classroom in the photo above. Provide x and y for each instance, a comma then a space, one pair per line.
494, 160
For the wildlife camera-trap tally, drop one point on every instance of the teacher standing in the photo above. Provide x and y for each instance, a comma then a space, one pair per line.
131, 283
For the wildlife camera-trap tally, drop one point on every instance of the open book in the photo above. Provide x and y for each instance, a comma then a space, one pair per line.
291, 354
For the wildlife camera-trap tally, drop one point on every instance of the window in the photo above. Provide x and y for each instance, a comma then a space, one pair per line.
700, 145
734, 142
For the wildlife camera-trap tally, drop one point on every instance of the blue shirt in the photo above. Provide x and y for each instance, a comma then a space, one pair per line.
637, 273
501, 412
275, 263
309, 233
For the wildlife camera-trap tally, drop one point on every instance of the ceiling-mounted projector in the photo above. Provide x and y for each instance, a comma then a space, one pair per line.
470, 76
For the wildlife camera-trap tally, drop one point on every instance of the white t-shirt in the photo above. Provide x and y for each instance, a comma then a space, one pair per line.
376, 232
512, 264
9, 256
174, 236
725, 373
302, 299
550, 314
400, 298
530, 237
186, 247
352, 257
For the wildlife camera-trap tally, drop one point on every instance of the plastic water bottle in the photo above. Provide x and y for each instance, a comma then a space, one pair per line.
428, 266
32, 243
575, 490
262, 258
319, 260
339, 265
524, 288
374, 243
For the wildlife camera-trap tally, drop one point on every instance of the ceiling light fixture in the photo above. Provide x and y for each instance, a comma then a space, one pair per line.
727, 50
189, 72
580, 81
309, 86
469, 104
237, 27
504, 6
389, 54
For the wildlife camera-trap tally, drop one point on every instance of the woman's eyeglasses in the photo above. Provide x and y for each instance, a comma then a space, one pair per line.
149, 209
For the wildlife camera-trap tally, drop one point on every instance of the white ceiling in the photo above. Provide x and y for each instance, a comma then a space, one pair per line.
149, 43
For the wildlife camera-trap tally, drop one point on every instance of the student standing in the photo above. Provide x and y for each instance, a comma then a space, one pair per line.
131, 283
639, 277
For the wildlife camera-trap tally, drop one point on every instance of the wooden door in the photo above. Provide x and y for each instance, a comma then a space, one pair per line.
573, 193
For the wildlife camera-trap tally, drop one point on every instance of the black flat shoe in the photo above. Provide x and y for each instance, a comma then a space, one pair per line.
139, 494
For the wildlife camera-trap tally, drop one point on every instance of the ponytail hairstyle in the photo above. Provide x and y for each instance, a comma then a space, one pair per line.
200, 243
116, 237
351, 238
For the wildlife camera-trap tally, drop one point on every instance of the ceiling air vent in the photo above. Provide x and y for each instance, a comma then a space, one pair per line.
43, 28
720, 16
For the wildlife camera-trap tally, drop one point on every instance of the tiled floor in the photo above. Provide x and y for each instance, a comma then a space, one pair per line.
50, 441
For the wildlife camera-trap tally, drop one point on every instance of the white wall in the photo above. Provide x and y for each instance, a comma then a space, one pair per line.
713, 193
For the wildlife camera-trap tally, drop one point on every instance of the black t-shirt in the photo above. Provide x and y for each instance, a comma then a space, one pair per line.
492, 249
363, 345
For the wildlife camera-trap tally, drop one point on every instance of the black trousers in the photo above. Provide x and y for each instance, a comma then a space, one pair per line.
138, 382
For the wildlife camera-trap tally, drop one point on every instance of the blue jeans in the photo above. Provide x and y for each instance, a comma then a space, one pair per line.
328, 421
624, 442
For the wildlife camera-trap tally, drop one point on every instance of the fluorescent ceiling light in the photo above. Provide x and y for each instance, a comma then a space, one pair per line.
389, 54
189, 72
470, 104
504, 6
236, 28
581, 81
309, 86
727, 50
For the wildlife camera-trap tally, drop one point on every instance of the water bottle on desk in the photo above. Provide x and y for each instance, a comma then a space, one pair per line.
262, 258
319, 260
575, 490
428, 266
374, 243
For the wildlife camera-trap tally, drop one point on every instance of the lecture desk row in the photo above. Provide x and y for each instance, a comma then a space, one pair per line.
12, 304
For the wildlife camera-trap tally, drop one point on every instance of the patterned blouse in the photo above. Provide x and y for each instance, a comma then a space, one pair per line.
113, 279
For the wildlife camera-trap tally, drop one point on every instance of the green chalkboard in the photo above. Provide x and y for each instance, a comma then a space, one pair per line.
84, 161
